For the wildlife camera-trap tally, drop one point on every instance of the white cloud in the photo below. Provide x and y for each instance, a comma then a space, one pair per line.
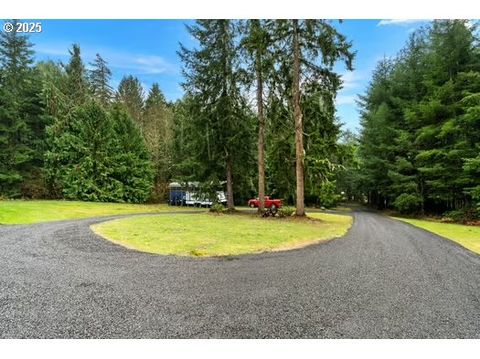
150, 64
351, 80
345, 99
136, 64
401, 22
51, 51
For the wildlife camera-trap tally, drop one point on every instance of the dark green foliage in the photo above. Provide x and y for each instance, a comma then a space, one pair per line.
323, 154
130, 94
21, 128
219, 121
407, 203
98, 156
421, 124
472, 168
76, 82
280, 150
328, 196
88, 174
95, 150
463, 215
157, 130
348, 178
131, 160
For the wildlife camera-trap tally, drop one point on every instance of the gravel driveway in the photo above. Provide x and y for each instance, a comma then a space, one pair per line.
384, 279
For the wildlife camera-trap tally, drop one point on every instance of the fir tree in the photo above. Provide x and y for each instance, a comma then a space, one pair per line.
130, 94
100, 76
131, 161
76, 86
21, 128
307, 50
257, 43
157, 130
221, 120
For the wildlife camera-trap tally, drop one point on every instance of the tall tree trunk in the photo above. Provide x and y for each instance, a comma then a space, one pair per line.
230, 204
261, 135
297, 113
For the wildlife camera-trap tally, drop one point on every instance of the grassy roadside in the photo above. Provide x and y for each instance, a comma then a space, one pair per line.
26, 212
220, 235
467, 236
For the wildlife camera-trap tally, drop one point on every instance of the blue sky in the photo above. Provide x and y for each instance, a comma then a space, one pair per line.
147, 49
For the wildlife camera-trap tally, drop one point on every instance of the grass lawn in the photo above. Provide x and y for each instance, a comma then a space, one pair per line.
467, 236
25, 212
219, 235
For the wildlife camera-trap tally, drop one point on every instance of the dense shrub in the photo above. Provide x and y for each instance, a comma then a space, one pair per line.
407, 203
286, 211
463, 215
217, 208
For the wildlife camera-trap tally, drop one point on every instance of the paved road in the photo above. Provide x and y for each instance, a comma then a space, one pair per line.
384, 279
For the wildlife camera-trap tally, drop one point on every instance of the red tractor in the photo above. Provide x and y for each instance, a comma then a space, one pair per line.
272, 204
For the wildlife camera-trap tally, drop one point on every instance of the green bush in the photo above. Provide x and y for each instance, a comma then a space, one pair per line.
328, 196
217, 208
286, 211
462, 215
407, 203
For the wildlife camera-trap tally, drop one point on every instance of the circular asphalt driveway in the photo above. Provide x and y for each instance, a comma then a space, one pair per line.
384, 279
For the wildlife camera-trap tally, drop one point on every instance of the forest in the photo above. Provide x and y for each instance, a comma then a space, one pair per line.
419, 147
257, 116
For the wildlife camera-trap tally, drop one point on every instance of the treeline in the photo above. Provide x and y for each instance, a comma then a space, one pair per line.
66, 133
258, 117
419, 148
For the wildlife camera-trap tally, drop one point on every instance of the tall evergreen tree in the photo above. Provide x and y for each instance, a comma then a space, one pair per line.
257, 43
307, 53
57, 107
130, 94
376, 145
443, 140
100, 76
77, 85
212, 79
185, 142
131, 165
157, 130
64, 91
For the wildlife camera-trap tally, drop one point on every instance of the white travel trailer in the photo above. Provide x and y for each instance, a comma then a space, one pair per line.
189, 194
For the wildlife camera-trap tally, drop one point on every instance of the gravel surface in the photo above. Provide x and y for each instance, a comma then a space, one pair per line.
384, 279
